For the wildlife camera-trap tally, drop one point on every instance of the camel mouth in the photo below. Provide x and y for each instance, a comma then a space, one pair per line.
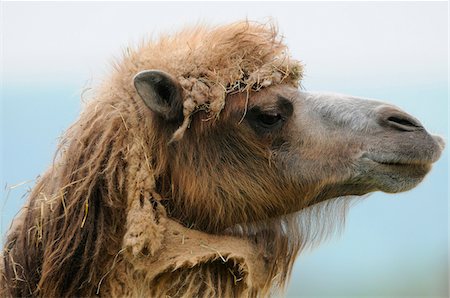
407, 168
415, 169
401, 164
405, 164
393, 176
402, 167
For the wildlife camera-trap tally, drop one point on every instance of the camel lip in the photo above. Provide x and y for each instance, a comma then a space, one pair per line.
439, 141
411, 155
413, 169
394, 162
406, 169
411, 163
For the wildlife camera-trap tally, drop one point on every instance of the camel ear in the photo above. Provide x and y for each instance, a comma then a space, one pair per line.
161, 93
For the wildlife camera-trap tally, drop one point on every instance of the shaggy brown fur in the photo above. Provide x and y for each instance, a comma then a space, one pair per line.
122, 213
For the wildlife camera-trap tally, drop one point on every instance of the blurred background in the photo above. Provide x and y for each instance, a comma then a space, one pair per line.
392, 246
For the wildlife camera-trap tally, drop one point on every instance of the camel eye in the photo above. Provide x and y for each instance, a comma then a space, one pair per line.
269, 120
266, 121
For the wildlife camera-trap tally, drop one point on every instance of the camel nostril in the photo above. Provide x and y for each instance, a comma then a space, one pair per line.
402, 122
395, 118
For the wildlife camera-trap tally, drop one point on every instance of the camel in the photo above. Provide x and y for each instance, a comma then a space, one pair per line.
200, 169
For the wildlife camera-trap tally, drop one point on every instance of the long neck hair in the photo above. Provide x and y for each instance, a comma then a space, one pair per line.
74, 220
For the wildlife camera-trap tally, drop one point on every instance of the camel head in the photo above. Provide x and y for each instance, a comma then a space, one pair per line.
200, 145
281, 150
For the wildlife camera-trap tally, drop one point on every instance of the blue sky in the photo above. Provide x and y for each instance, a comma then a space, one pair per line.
392, 246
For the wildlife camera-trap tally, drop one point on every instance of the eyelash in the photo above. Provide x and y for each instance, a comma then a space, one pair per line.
269, 121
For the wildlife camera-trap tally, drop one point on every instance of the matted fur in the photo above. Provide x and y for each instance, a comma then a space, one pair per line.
102, 218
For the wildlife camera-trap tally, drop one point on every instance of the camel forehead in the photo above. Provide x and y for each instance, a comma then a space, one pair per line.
266, 99
269, 96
